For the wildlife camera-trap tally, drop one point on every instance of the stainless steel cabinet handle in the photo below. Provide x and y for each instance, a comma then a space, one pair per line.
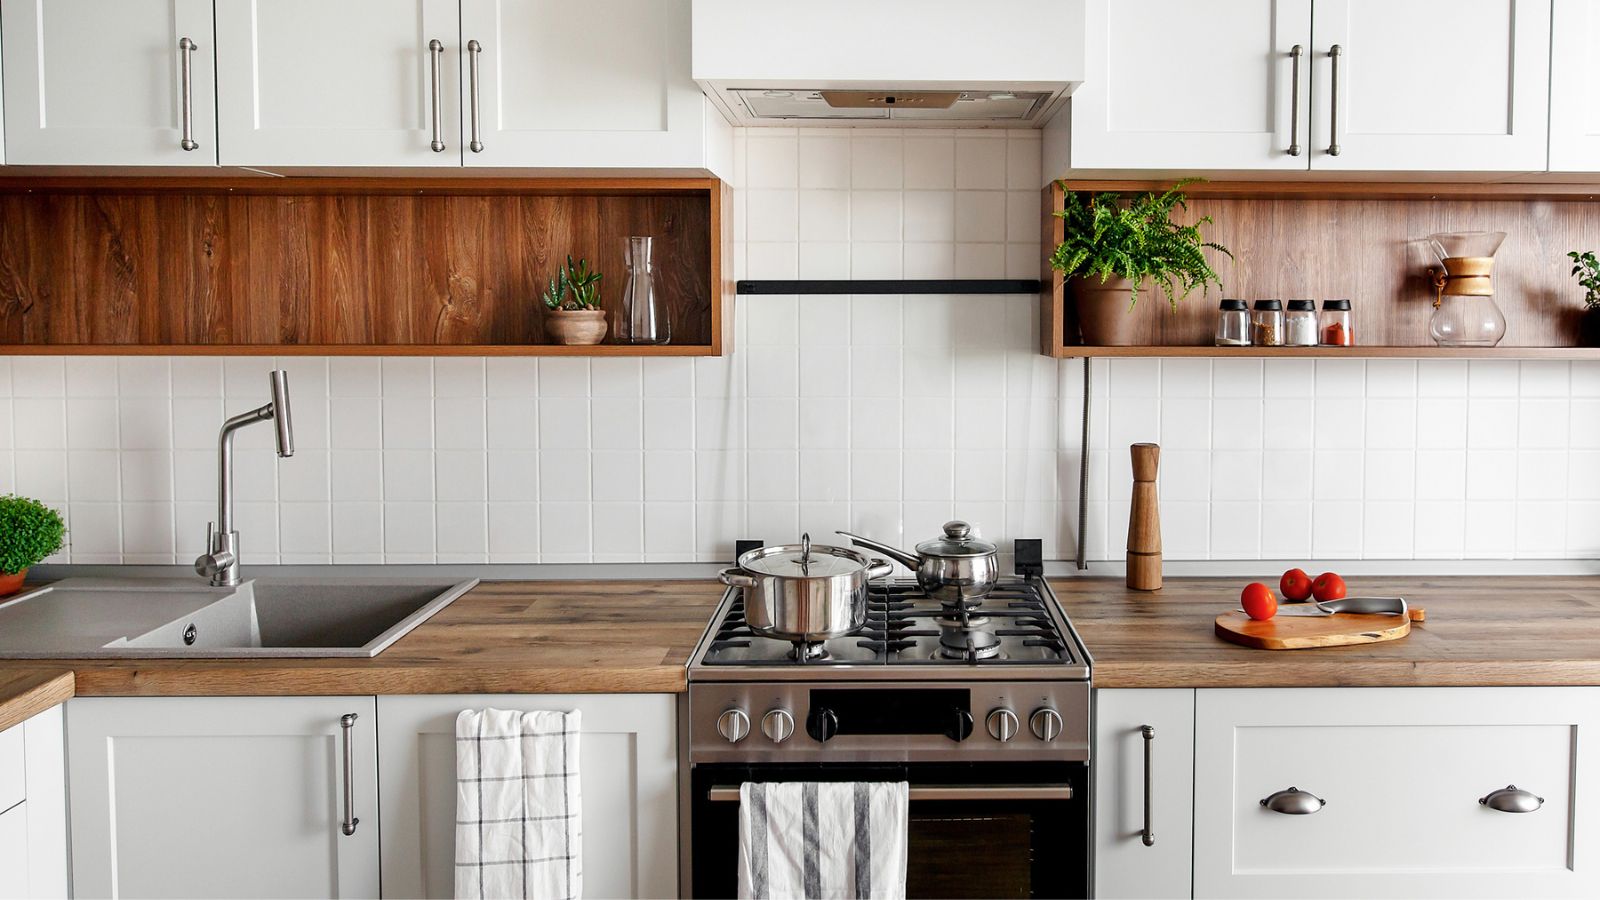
435, 51
1295, 53
187, 48
473, 49
1293, 802
348, 826
1148, 732
1511, 799
1334, 53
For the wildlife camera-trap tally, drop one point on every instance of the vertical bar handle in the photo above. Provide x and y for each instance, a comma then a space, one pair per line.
435, 51
1334, 53
473, 49
187, 48
1295, 53
1148, 732
348, 826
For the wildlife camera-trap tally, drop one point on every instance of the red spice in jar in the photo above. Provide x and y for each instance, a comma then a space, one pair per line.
1336, 335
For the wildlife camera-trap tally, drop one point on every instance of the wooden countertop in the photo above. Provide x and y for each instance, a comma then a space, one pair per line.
500, 637
1480, 631
26, 692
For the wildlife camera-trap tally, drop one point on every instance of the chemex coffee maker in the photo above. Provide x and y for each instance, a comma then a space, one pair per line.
1465, 314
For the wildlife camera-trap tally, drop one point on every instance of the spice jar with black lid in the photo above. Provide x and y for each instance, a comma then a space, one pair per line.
1336, 324
1266, 325
1300, 324
1233, 324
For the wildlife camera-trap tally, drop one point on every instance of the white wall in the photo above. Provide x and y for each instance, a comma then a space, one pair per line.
885, 415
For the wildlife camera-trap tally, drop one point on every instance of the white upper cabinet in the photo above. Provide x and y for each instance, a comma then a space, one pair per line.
1173, 84
103, 82
1431, 85
1575, 87
595, 84
353, 83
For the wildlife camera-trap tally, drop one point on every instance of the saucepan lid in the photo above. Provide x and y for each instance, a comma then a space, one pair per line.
958, 542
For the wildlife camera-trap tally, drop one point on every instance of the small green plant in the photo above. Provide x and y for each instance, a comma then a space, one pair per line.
1587, 268
1135, 238
574, 286
29, 532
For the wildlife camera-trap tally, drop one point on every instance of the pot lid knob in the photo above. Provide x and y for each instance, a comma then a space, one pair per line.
805, 553
957, 530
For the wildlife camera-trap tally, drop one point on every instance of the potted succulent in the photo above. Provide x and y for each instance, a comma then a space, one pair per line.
1587, 269
1114, 247
29, 532
573, 298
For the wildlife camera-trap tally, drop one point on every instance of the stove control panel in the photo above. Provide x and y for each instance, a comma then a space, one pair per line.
873, 721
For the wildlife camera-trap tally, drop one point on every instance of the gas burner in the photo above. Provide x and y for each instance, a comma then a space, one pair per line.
971, 644
963, 620
807, 651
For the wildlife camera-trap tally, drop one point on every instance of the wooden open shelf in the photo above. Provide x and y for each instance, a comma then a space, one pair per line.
346, 266
1357, 240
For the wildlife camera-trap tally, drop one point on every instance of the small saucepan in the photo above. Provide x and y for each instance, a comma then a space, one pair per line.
958, 569
805, 591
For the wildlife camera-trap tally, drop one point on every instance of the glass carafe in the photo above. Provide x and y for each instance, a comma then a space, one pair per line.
1465, 314
644, 317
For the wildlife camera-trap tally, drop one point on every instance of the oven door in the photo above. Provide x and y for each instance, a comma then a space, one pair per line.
976, 830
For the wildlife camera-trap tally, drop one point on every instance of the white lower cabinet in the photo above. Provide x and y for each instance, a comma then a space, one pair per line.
1402, 772
33, 809
628, 767
1127, 861
222, 796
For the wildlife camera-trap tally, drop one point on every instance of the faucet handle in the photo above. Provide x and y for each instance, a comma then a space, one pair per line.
211, 536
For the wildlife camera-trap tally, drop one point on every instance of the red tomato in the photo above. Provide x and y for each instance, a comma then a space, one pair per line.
1258, 601
1295, 585
1328, 586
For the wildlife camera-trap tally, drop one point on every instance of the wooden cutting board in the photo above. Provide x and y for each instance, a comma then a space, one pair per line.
1306, 632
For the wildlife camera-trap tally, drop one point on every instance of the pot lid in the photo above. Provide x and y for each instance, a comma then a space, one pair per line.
803, 560
958, 541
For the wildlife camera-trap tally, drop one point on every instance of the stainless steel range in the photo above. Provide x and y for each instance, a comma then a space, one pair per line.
982, 707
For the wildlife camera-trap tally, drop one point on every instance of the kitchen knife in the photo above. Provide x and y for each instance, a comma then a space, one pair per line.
1381, 606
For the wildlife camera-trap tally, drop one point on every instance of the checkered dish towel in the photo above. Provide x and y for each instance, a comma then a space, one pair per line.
823, 841
519, 829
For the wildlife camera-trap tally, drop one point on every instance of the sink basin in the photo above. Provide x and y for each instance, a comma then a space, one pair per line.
288, 617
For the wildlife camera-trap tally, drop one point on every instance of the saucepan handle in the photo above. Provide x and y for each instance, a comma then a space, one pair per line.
733, 576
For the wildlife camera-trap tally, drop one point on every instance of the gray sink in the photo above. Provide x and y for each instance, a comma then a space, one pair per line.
289, 617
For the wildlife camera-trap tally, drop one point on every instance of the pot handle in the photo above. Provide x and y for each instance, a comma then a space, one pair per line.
733, 576
879, 568
899, 556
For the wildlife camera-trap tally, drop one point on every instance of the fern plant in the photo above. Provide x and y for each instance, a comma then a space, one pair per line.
1587, 268
574, 286
1135, 238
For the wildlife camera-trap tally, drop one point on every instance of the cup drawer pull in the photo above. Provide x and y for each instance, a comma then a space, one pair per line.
1293, 802
1512, 799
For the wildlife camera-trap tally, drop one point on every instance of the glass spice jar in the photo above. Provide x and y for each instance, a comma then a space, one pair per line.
1266, 326
1300, 324
1336, 324
1233, 324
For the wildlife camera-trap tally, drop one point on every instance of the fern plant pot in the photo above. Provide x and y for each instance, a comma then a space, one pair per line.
11, 582
575, 327
1104, 318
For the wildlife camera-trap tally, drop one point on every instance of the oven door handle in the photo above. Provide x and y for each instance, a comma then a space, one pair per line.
730, 793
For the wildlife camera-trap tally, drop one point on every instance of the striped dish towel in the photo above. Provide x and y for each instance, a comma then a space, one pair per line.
827, 840
519, 829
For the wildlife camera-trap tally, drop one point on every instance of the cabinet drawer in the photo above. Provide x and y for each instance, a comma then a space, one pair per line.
1401, 772
14, 853
13, 776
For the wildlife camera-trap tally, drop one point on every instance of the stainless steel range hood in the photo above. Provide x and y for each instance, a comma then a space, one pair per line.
1001, 63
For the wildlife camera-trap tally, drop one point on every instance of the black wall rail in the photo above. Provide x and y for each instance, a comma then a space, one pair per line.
890, 286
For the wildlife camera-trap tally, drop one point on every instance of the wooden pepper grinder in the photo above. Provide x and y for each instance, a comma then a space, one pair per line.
1144, 521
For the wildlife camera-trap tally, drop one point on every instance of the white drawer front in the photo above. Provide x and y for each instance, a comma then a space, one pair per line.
14, 853
13, 776
1401, 771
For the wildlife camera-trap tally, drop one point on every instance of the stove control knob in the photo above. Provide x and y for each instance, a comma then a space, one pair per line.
1045, 723
960, 726
733, 725
1002, 724
777, 725
822, 724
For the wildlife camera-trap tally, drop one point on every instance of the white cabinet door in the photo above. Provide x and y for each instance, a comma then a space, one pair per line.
1431, 85
100, 82
221, 797
1173, 84
1575, 86
312, 83
45, 753
628, 769
1402, 772
584, 84
1124, 864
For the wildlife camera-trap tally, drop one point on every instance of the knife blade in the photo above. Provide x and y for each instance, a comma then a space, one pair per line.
1380, 606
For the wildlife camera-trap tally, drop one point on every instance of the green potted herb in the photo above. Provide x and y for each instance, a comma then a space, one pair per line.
573, 300
1114, 247
29, 532
1587, 269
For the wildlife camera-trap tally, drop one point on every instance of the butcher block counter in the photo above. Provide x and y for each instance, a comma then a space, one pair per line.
1479, 632
528, 637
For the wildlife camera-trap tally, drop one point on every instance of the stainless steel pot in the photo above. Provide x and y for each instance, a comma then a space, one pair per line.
957, 569
804, 592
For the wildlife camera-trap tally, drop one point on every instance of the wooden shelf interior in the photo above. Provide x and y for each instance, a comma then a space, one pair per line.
1322, 241
334, 266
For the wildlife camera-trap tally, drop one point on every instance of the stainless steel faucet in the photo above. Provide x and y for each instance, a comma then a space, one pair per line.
220, 562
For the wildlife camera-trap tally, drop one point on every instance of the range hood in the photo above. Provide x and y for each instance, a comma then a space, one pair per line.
942, 63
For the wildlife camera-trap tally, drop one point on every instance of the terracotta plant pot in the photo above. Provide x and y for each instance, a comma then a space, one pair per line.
575, 326
11, 582
1104, 318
